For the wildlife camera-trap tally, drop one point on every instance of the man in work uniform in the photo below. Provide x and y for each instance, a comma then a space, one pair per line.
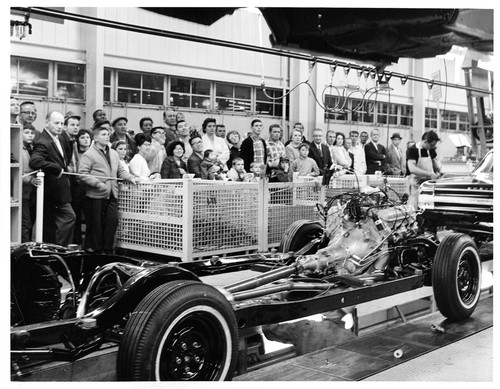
422, 164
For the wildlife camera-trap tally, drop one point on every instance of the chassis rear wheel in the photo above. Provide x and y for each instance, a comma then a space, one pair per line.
456, 276
181, 331
300, 233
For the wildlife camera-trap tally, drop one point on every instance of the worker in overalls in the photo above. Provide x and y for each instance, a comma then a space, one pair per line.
422, 164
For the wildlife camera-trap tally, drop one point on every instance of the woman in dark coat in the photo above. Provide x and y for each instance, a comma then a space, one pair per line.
173, 166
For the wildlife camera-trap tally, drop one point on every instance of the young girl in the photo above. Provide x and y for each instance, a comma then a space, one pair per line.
304, 165
121, 148
29, 184
237, 172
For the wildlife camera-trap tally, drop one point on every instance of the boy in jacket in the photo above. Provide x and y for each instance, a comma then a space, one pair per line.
99, 165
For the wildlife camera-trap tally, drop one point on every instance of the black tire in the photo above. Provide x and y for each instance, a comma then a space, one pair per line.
181, 331
456, 276
300, 233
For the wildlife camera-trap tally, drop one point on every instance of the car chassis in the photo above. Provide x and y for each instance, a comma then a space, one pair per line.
170, 325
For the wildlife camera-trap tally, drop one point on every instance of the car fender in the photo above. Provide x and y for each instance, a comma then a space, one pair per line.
134, 290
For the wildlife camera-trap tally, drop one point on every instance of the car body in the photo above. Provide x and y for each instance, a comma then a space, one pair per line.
171, 323
463, 203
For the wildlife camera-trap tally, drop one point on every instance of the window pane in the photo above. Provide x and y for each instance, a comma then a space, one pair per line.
261, 96
152, 81
40, 88
242, 92
13, 86
242, 105
179, 100
33, 70
107, 77
223, 90
154, 98
107, 94
201, 87
72, 73
129, 80
263, 108
70, 91
200, 102
333, 104
180, 85
224, 104
128, 96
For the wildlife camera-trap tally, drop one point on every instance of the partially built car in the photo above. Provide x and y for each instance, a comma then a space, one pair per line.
171, 322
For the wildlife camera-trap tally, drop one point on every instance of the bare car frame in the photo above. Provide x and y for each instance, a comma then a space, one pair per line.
171, 325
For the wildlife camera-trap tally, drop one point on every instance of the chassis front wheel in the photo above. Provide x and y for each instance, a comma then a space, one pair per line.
181, 331
456, 276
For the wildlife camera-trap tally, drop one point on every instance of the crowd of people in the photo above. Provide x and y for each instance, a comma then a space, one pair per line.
82, 167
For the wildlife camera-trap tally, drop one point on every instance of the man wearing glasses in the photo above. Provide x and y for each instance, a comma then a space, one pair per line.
27, 115
157, 152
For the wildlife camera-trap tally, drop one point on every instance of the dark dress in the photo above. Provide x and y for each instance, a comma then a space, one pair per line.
170, 168
234, 152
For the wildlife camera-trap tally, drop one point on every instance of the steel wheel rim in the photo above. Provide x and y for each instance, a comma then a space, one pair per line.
194, 347
467, 277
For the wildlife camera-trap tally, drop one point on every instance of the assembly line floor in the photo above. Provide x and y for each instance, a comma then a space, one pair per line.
431, 348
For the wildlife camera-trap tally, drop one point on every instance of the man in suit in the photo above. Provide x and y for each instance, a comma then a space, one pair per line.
374, 153
196, 158
396, 161
52, 155
320, 151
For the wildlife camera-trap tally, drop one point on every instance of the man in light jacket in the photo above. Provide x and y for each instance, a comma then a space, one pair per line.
100, 166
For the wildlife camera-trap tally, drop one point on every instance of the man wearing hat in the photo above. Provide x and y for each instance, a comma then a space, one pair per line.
396, 160
422, 164
120, 133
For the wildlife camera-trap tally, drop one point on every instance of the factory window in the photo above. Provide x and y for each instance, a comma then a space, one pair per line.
236, 98
140, 88
185, 92
70, 81
154, 89
334, 105
269, 102
48, 79
387, 112
406, 115
430, 118
449, 120
107, 85
29, 77
463, 121
361, 111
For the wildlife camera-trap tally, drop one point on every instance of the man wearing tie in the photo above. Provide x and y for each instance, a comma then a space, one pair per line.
396, 161
374, 153
320, 152
52, 155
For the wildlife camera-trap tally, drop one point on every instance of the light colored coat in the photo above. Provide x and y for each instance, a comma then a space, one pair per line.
395, 163
94, 165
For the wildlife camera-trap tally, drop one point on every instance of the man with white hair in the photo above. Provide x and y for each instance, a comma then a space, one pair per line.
52, 154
